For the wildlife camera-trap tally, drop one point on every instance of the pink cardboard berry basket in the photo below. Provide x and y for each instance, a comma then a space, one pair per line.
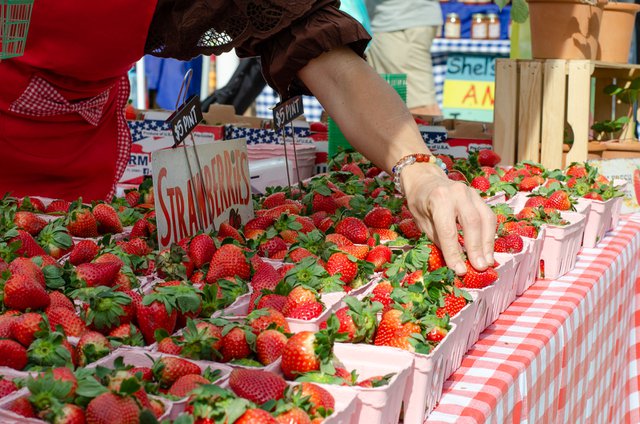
346, 404
528, 270
598, 220
466, 322
496, 199
506, 279
141, 358
518, 201
378, 405
561, 246
425, 383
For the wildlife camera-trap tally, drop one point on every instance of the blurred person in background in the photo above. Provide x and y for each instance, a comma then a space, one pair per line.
403, 31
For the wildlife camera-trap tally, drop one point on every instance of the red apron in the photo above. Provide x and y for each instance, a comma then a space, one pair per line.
62, 127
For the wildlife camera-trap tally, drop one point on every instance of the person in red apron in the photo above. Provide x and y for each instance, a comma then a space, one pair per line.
63, 132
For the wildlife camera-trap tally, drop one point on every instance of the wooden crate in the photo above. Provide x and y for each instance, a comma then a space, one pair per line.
536, 99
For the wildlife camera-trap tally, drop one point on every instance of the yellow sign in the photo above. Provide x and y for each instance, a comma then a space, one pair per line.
460, 94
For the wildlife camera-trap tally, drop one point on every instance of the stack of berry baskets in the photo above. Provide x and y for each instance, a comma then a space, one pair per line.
467, 321
346, 405
561, 246
210, 373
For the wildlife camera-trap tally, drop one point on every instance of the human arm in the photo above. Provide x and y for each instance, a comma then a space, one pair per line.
377, 123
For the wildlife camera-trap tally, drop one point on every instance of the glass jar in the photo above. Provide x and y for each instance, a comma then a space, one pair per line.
493, 26
479, 27
452, 26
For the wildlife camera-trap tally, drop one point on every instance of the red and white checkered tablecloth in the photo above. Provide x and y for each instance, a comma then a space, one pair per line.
566, 351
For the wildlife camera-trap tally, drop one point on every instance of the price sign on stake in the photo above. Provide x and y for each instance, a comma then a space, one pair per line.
184, 120
285, 112
189, 202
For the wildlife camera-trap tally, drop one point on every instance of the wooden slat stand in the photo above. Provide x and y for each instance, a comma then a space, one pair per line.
536, 98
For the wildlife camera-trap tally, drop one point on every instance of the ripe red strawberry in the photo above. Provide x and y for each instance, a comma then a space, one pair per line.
186, 384
357, 251
98, 274
306, 311
201, 250
29, 222
338, 239
135, 246
168, 345
475, 279
318, 397
393, 332
353, 229
152, 315
28, 246
12, 354
529, 183
259, 320
339, 263
235, 345
299, 295
108, 257
228, 261
69, 414
409, 229
593, 196
457, 176
259, 223
275, 301
535, 201
437, 334
294, 415
256, 385
270, 247
60, 300
110, 408
488, 171
352, 168
82, 223
32, 204
385, 234
168, 369
481, 183
25, 326
71, 323
84, 251
28, 268
107, 219
226, 230
7, 387
510, 243
22, 407
488, 158
142, 228
273, 200
269, 346
379, 256
65, 374
22, 293
91, 347
559, 200
58, 207
305, 352
436, 260
256, 416
379, 218
452, 305
382, 293
132, 197
299, 253
577, 171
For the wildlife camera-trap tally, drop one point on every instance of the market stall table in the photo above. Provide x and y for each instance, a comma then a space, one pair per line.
565, 351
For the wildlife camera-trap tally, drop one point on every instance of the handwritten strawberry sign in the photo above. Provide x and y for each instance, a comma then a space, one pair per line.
197, 192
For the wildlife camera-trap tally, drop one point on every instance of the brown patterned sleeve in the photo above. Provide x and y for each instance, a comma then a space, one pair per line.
286, 34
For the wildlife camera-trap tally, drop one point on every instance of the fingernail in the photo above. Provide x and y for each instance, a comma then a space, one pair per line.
460, 269
489, 259
481, 263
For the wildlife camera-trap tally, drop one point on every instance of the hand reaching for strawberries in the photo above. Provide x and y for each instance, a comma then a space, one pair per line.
438, 204
377, 123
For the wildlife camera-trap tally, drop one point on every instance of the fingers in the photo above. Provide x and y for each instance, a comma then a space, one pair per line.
488, 230
446, 231
478, 223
